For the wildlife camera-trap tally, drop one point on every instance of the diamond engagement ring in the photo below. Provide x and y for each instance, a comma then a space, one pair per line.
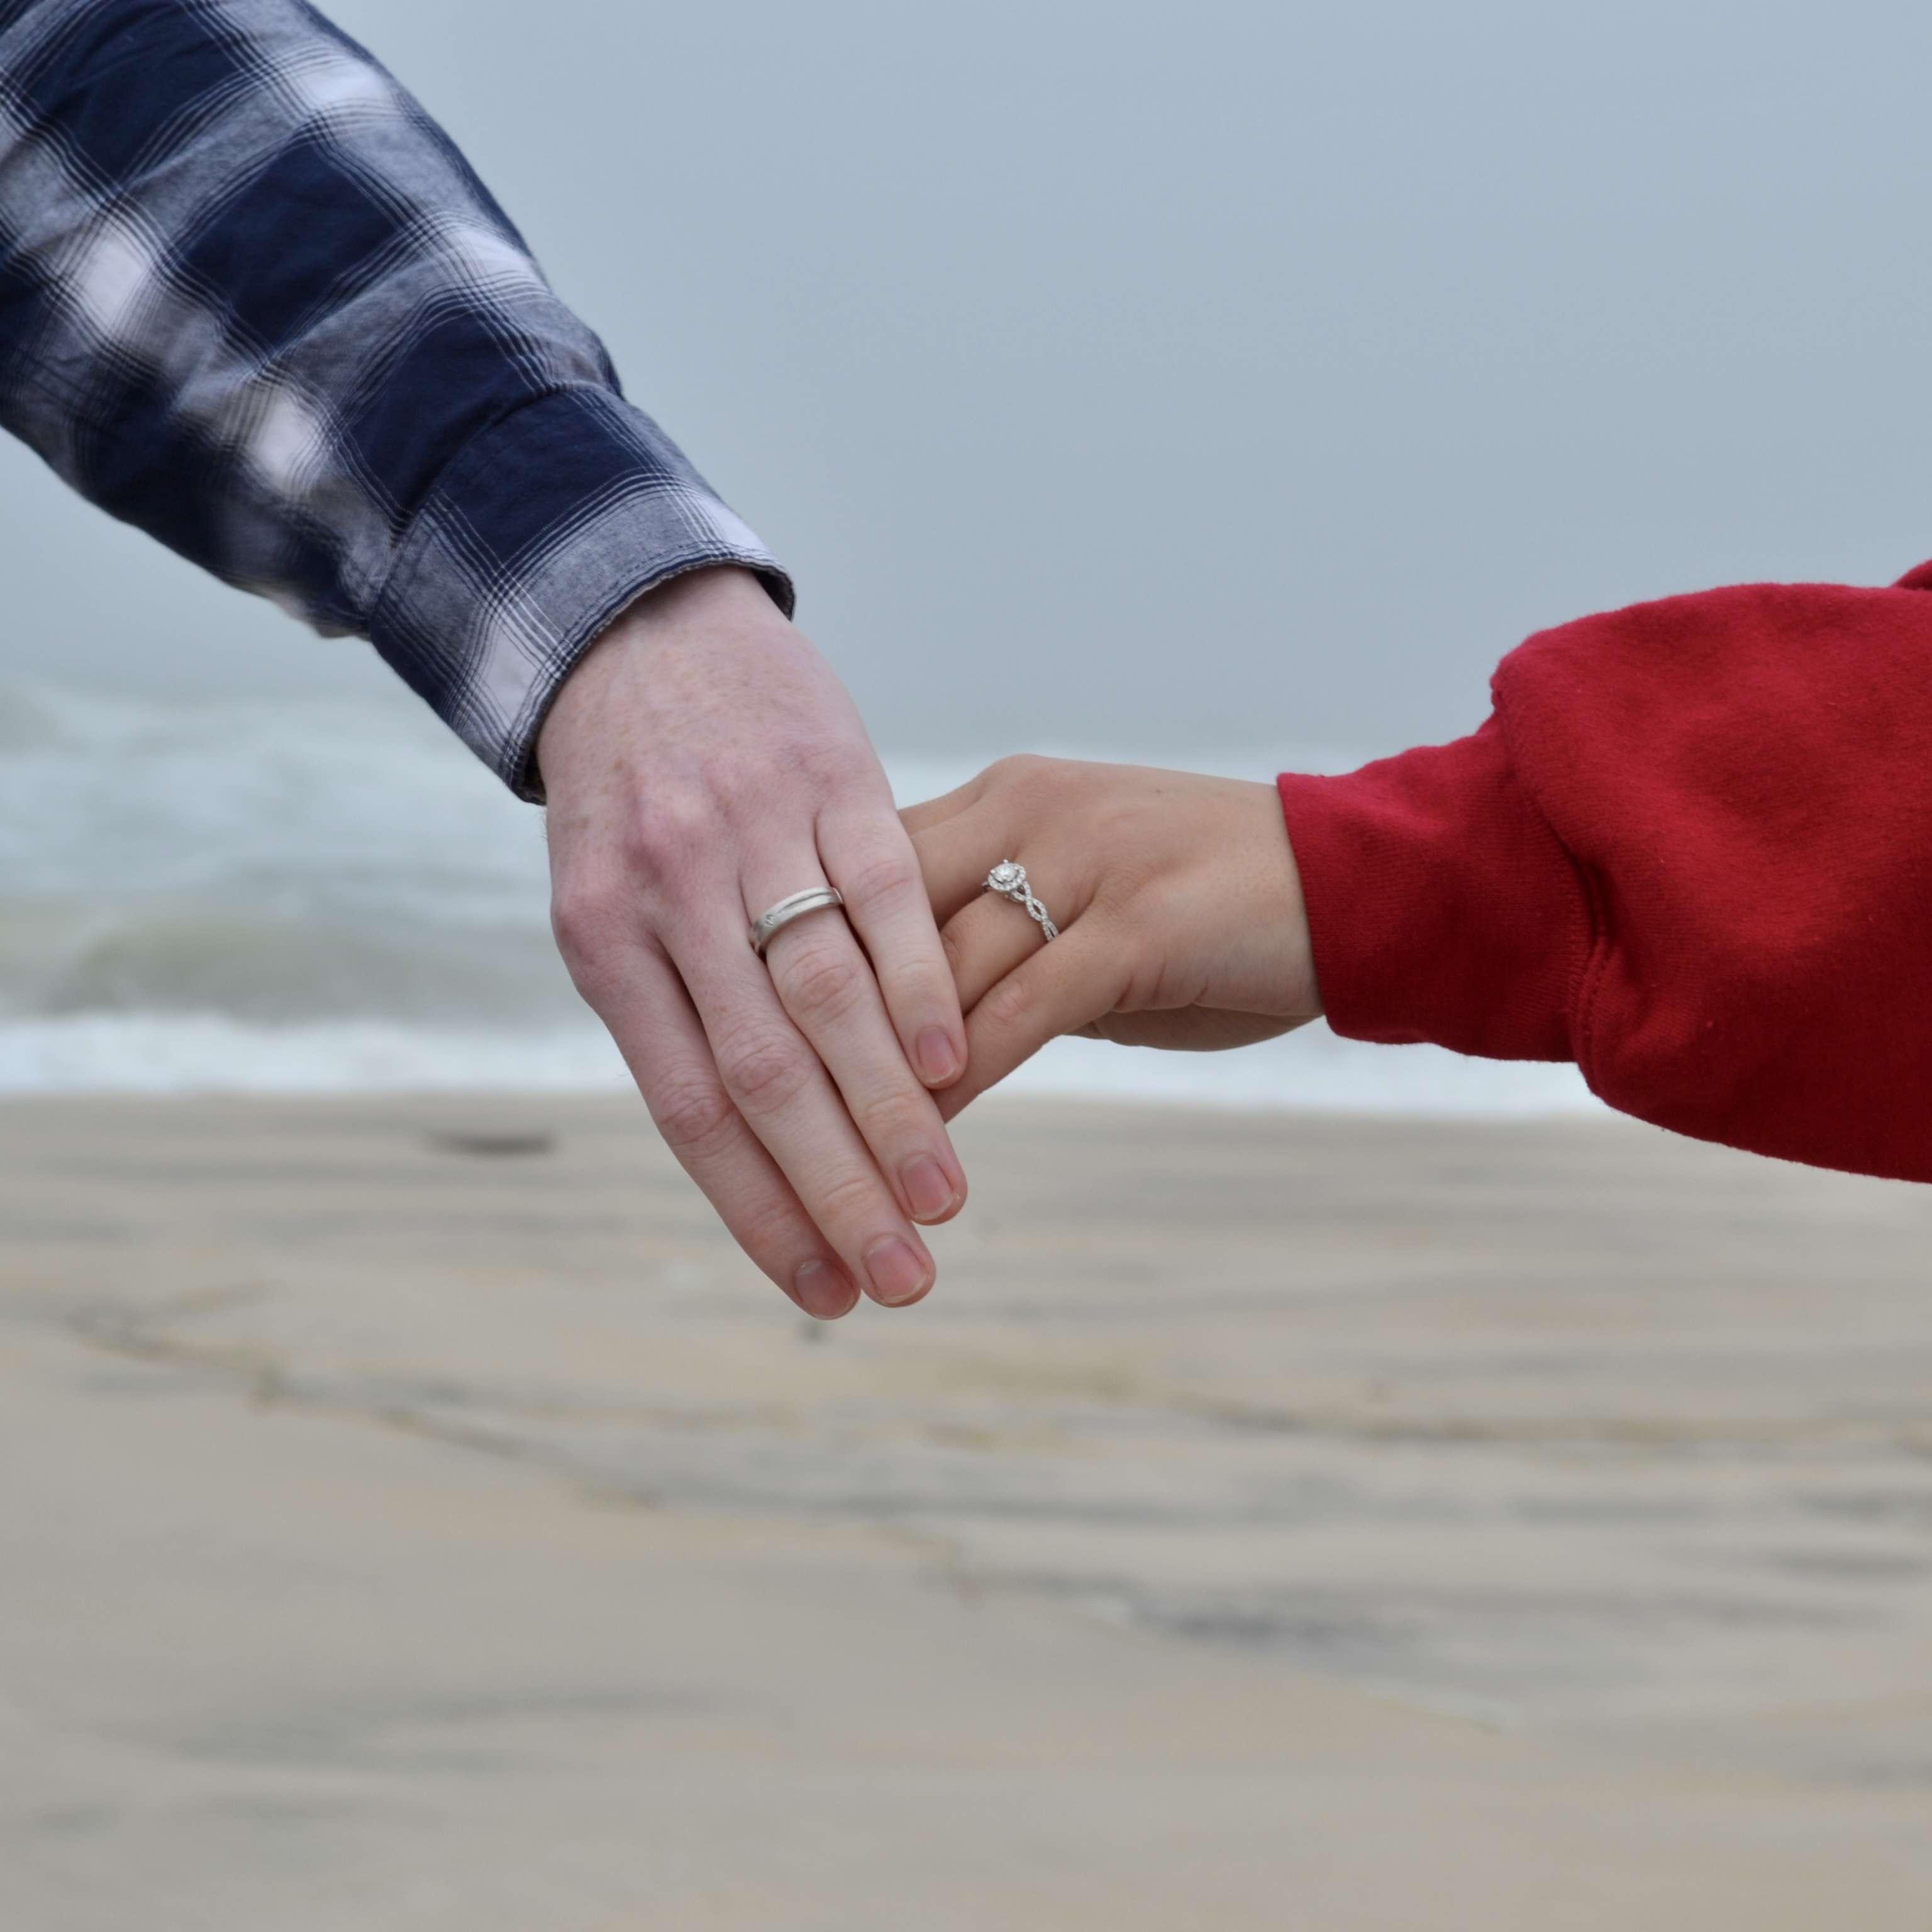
1008, 879
814, 898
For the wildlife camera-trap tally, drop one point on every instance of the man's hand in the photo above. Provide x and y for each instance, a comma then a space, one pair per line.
1181, 923
701, 763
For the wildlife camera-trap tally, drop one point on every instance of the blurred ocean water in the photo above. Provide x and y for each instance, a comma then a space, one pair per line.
329, 896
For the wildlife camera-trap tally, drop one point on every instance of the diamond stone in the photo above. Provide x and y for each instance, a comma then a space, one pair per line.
1006, 875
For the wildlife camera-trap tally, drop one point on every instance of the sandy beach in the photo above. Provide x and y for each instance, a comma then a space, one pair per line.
415, 1515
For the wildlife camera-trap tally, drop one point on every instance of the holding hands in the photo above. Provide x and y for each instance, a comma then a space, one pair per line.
1696, 874
806, 1091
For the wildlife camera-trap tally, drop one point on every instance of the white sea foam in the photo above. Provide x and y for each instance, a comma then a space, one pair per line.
322, 897
207, 1053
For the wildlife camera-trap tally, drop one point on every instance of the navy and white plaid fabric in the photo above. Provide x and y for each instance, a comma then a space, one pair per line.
253, 300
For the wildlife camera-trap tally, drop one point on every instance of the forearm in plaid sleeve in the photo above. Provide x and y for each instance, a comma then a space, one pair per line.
253, 300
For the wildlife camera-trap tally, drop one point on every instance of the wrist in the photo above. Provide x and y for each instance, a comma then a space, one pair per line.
717, 601
1280, 907
717, 592
1221, 924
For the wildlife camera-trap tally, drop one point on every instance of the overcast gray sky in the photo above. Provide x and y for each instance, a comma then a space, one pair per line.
1143, 376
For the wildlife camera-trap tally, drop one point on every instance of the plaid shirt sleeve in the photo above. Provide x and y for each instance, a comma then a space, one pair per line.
253, 300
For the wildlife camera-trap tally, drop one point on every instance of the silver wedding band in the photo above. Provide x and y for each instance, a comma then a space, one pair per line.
1008, 879
814, 898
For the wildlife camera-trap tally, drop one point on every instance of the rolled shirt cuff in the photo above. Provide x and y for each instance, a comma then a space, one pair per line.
539, 533
1441, 908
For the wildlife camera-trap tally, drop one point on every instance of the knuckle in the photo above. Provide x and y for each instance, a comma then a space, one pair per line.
896, 1118
879, 881
590, 920
660, 843
763, 1072
693, 1115
824, 985
770, 1233
1008, 1003
846, 1198
655, 838
823, 760
1031, 774
1135, 878
926, 987
1016, 769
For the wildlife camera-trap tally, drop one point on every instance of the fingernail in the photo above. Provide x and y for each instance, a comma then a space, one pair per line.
898, 1276
928, 1188
823, 1290
938, 1062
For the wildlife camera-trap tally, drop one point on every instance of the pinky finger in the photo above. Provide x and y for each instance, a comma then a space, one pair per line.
680, 1081
1069, 983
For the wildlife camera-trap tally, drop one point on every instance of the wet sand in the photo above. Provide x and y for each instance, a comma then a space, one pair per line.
414, 1515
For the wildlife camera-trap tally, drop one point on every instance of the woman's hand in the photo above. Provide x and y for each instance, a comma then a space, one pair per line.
1180, 911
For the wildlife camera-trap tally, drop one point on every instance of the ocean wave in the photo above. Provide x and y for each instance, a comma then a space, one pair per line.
323, 896
1311, 1070
60, 958
144, 1054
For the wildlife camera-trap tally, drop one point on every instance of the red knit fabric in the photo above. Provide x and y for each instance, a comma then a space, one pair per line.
1691, 851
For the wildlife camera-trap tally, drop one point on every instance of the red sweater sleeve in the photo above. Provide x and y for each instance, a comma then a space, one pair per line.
1691, 850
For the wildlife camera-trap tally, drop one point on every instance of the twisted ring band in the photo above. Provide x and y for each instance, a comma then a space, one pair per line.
1009, 880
